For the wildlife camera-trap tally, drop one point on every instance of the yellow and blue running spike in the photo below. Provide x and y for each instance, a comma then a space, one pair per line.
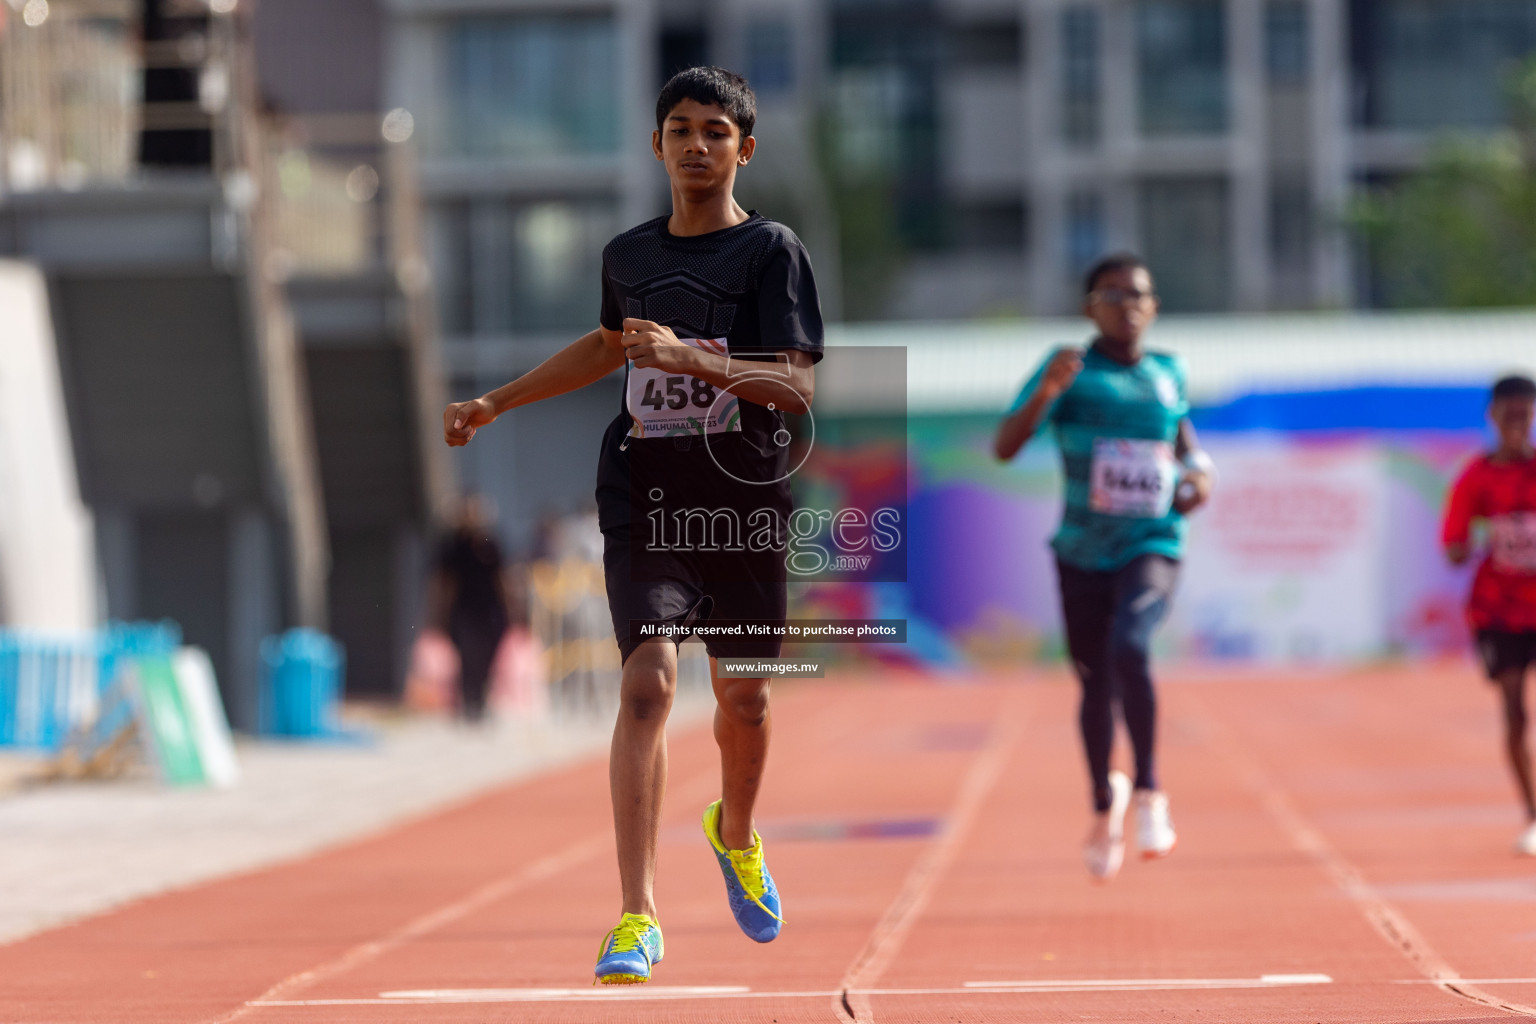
629, 951
754, 897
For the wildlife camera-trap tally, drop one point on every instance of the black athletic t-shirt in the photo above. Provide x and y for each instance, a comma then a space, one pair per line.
745, 291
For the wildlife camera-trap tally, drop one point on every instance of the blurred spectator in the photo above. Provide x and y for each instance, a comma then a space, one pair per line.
470, 600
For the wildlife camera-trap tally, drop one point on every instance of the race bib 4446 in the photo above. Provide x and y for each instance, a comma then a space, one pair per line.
663, 403
1132, 477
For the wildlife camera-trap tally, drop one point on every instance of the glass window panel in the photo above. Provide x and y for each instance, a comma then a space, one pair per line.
1085, 230
1290, 225
1285, 41
990, 225
448, 250
502, 268
770, 56
1181, 45
682, 47
534, 86
987, 44
1186, 242
1080, 74
556, 255
1437, 63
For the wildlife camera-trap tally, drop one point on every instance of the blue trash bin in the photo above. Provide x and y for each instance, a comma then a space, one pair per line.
301, 673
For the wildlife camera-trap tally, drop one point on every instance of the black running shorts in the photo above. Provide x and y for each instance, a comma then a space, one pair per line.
694, 588
1503, 651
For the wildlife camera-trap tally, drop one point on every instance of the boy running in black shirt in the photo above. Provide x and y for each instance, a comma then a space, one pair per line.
714, 315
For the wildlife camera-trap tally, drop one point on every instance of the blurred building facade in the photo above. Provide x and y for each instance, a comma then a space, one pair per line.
243, 320
943, 159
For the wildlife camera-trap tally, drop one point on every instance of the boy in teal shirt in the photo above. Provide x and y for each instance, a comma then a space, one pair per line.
1133, 472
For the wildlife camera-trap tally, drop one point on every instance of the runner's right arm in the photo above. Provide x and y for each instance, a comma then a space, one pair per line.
589, 358
1020, 425
1455, 532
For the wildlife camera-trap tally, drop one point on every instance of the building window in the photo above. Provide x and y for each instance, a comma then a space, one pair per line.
682, 47
1186, 242
519, 267
1085, 230
1437, 63
508, 87
1285, 42
1290, 225
885, 99
449, 252
1080, 74
770, 48
1182, 60
994, 44
990, 225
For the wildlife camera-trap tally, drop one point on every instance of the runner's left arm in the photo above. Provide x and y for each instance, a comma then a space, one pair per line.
788, 382
1196, 483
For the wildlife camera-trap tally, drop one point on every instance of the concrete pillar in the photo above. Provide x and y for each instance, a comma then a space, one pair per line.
1044, 185
410, 550
640, 175
117, 547
1328, 43
1122, 125
254, 609
1248, 132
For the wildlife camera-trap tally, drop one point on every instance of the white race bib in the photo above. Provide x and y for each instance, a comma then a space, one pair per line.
663, 403
1132, 477
1512, 542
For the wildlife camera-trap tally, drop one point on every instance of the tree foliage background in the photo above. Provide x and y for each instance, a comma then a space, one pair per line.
1461, 232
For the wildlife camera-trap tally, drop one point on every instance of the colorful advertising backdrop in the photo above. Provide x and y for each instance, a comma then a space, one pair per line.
1320, 545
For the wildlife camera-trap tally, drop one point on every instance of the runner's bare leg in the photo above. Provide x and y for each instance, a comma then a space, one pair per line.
1512, 685
637, 767
742, 728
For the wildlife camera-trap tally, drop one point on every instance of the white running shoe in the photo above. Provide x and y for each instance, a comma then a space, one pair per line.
1105, 850
1155, 836
1526, 844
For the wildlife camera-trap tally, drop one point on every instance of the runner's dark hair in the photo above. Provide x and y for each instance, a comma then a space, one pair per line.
1514, 386
710, 86
1108, 264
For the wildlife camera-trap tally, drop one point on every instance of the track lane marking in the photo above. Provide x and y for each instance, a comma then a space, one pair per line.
1109, 984
487, 894
1388, 921
851, 1002
437, 997
548, 867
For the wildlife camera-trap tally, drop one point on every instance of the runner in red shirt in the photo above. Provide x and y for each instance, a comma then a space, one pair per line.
1500, 488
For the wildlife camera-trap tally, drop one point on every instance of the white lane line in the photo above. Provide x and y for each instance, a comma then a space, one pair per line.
851, 1002
427, 997
1148, 984
479, 995
572, 856
1470, 981
1388, 921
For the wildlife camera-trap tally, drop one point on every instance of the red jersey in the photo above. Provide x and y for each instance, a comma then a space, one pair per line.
1503, 493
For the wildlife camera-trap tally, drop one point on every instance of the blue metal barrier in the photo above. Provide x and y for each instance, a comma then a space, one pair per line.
51, 683
301, 673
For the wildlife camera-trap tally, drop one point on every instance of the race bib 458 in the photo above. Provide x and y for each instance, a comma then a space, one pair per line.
1132, 477
667, 404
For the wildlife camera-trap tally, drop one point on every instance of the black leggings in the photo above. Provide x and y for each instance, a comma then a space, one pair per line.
1109, 618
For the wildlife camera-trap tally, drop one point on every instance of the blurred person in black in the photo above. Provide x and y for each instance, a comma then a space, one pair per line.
470, 600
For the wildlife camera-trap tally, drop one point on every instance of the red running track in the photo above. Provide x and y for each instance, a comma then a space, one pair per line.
1344, 856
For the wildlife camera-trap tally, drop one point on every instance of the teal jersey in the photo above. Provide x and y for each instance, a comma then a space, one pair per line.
1117, 427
